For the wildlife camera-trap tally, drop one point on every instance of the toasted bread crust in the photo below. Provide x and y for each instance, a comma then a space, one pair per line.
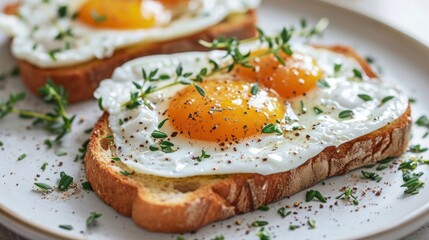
82, 80
236, 193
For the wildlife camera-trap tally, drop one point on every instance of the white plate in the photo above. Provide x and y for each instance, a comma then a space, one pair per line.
390, 215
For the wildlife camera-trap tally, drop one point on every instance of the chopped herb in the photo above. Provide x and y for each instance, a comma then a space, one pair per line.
386, 99
417, 149
381, 167
282, 212
259, 223
22, 156
254, 89
317, 110
162, 123
66, 227
369, 60
337, 67
357, 73
271, 128
423, 121
153, 147
92, 218
14, 72
125, 173
43, 186
263, 235
44, 166
97, 18
202, 156
386, 160
347, 195
116, 159
87, 186
412, 100
65, 182
200, 90
365, 97
88, 131
62, 11
264, 208
108, 137
1, 144
83, 149
322, 83
311, 223
425, 135
159, 134
293, 227
60, 154
311, 194
346, 114
303, 107
53, 54
120, 122
100, 104
412, 183
371, 175
218, 238
408, 165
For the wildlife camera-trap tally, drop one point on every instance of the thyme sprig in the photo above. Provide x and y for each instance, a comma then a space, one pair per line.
56, 122
275, 45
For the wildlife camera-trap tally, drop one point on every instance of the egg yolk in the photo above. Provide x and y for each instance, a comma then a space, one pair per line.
228, 112
296, 77
121, 14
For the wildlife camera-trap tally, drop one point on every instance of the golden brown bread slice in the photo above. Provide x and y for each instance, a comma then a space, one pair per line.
187, 204
81, 80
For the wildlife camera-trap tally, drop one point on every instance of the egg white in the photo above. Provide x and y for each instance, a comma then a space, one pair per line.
37, 25
263, 154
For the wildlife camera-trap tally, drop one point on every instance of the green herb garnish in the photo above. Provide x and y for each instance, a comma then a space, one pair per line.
259, 223
372, 176
282, 212
93, 218
56, 122
65, 182
43, 186
66, 227
22, 156
311, 223
202, 156
365, 97
264, 208
311, 194
254, 89
417, 149
346, 114
87, 186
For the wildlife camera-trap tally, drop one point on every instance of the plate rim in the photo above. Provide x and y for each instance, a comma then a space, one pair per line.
401, 229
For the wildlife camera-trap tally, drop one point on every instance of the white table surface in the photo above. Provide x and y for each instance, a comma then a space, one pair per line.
408, 16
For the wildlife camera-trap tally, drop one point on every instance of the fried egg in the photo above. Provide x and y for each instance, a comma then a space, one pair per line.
60, 33
225, 131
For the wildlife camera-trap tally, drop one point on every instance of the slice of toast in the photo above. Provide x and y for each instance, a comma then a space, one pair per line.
187, 204
81, 80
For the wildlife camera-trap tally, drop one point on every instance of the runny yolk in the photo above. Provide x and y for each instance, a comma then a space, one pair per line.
228, 113
298, 76
119, 14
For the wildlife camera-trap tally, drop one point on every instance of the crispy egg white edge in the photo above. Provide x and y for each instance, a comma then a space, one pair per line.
281, 153
99, 43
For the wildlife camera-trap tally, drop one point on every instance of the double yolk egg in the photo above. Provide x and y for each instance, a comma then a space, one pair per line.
230, 112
